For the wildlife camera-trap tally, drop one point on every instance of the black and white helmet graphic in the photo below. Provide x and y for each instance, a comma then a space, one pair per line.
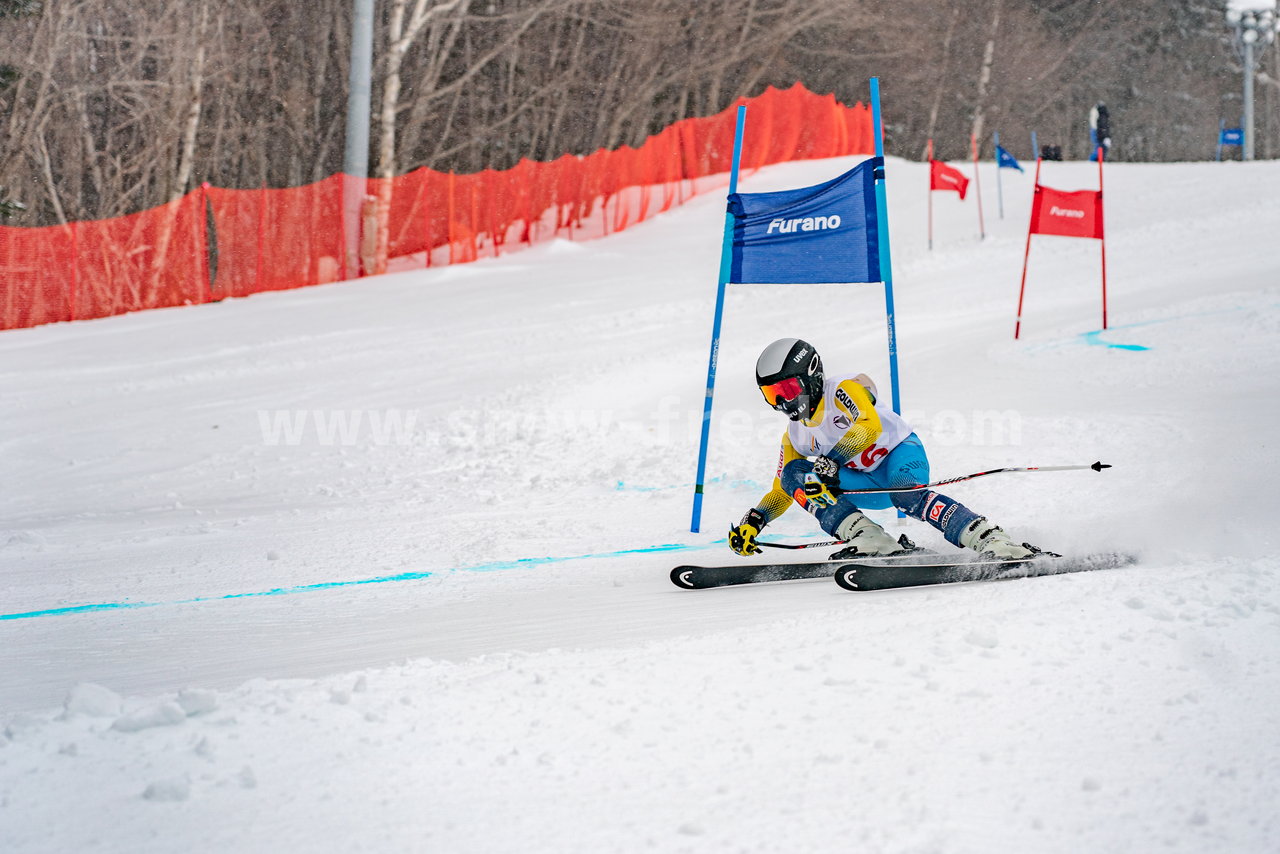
789, 374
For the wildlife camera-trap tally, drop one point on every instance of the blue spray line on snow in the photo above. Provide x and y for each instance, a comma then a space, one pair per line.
492, 566
1094, 338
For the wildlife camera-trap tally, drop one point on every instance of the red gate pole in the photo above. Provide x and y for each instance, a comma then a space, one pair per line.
1102, 235
929, 163
1022, 289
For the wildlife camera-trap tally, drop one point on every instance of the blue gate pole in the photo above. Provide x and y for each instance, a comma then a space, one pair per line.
882, 233
886, 262
726, 265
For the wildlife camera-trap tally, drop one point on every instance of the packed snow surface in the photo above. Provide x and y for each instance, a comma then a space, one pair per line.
382, 566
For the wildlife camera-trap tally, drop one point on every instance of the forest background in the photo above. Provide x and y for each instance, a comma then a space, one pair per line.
109, 107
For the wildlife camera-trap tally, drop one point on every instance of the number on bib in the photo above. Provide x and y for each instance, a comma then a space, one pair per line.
871, 455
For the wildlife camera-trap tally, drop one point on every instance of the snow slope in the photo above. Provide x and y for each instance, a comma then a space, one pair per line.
229, 625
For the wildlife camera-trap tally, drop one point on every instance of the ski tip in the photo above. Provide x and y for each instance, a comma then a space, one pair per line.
847, 577
1099, 466
682, 576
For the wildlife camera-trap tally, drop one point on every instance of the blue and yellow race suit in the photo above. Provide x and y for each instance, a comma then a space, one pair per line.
874, 447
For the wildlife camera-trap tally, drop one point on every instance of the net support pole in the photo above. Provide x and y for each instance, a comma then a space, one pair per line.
74, 302
355, 158
260, 249
726, 263
202, 239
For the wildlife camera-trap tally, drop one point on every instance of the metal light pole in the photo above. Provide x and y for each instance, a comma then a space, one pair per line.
1251, 27
355, 160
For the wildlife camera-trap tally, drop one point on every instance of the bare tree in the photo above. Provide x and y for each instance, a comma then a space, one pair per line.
113, 106
186, 161
984, 76
401, 34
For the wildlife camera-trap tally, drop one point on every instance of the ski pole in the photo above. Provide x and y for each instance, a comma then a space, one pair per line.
800, 545
1098, 466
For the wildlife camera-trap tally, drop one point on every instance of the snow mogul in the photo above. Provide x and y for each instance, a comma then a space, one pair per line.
841, 439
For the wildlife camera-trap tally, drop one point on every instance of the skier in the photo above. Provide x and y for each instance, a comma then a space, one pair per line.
840, 439
1100, 131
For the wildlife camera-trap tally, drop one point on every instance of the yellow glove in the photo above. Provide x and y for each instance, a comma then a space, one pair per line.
742, 537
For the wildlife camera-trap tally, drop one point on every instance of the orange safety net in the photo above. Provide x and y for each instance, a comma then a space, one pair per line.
215, 243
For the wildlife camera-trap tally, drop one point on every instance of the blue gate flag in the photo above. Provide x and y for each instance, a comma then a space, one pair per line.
1005, 160
1231, 136
811, 235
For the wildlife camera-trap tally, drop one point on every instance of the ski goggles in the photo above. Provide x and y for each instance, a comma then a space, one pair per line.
788, 389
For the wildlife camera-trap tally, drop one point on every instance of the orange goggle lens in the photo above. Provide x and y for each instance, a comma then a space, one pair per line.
788, 389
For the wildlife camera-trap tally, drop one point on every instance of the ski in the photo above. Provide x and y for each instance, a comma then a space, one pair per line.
702, 577
862, 576
918, 568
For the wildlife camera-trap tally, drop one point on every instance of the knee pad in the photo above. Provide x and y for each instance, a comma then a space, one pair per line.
793, 476
828, 517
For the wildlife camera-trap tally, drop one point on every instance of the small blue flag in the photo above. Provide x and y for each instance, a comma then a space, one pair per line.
1005, 160
1231, 136
811, 235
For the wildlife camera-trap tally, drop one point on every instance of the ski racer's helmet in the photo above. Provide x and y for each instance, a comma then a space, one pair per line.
789, 374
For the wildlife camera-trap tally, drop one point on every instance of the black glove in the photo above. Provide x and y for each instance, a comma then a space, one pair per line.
827, 470
742, 537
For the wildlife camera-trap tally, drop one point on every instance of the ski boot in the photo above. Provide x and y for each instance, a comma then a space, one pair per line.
990, 541
867, 539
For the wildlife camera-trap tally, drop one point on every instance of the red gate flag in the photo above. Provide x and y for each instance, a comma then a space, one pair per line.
1065, 213
944, 177
1069, 214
